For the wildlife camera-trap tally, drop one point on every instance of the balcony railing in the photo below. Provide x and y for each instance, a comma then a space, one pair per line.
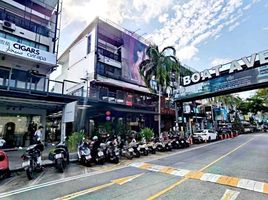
44, 86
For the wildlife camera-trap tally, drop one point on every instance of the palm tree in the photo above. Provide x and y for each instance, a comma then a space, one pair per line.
160, 68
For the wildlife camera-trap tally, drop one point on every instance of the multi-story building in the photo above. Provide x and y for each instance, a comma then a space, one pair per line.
105, 58
28, 51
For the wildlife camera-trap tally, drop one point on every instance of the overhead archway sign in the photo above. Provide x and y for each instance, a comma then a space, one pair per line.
246, 73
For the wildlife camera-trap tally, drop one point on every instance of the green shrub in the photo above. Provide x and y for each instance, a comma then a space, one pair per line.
147, 133
74, 140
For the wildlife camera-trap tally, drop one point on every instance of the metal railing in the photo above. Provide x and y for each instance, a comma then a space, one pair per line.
44, 86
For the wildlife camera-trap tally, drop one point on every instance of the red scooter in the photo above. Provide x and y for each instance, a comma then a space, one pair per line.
4, 165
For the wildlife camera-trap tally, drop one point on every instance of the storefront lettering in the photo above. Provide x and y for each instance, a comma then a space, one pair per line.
235, 66
24, 48
26, 51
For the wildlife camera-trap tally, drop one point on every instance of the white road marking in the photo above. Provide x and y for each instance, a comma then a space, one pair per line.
258, 187
180, 172
230, 195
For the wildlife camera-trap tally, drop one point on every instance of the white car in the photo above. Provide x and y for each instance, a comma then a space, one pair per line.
205, 135
2, 142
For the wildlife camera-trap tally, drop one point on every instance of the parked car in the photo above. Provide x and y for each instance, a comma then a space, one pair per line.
205, 135
2, 143
224, 131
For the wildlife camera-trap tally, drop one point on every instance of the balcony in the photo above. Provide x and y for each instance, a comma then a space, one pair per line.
23, 82
121, 97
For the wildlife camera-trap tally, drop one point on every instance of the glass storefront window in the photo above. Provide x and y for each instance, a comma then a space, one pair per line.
14, 129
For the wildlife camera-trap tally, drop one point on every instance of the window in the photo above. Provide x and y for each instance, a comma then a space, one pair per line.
88, 44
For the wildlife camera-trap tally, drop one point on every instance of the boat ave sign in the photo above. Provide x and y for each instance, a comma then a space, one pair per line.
21, 50
256, 59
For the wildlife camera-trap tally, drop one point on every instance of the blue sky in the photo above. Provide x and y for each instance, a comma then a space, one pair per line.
204, 32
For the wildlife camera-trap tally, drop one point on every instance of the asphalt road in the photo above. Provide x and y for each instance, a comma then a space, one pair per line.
236, 167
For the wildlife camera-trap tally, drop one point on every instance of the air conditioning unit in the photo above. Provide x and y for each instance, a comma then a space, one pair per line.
9, 26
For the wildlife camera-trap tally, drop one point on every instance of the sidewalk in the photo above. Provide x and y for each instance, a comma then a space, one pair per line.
15, 160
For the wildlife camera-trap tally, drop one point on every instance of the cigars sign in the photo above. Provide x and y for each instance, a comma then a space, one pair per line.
245, 63
21, 50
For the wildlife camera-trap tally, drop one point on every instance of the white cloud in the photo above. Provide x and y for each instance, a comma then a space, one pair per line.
187, 52
163, 18
87, 10
184, 24
219, 61
196, 21
233, 26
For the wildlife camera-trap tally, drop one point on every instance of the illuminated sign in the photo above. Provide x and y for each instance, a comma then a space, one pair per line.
235, 66
21, 50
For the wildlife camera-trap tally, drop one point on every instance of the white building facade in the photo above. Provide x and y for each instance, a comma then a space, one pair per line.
28, 54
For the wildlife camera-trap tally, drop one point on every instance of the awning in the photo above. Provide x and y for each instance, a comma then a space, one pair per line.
130, 110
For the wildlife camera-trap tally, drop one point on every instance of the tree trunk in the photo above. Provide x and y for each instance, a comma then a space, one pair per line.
159, 111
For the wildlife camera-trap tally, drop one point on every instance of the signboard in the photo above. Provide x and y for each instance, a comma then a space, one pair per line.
245, 63
237, 74
69, 112
21, 50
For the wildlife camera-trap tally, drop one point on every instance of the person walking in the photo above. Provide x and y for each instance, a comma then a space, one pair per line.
38, 134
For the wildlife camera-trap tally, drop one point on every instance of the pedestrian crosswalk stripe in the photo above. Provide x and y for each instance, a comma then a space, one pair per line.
208, 177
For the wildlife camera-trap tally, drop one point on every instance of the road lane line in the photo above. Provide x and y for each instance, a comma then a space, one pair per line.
119, 181
230, 195
90, 190
227, 154
195, 175
42, 185
166, 189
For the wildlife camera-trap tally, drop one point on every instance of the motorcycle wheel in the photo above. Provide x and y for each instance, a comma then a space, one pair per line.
146, 152
129, 156
29, 173
138, 154
116, 161
101, 161
88, 164
60, 165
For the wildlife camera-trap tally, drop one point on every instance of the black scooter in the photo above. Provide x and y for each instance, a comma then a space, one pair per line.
84, 154
60, 156
32, 160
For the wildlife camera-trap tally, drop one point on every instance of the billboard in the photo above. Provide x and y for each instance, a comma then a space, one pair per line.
133, 53
242, 79
123, 54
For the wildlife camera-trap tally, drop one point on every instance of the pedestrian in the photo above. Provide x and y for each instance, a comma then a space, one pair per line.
38, 134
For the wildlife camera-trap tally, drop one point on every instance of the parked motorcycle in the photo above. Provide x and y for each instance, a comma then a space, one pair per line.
160, 146
84, 154
4, 165
127, 152
136, 149
32, 160
168, 145
175, 143
99, 156
60, 156
143, 149
152, 147
112, 153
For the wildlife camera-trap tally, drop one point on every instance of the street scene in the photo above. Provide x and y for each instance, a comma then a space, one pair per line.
133, 99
